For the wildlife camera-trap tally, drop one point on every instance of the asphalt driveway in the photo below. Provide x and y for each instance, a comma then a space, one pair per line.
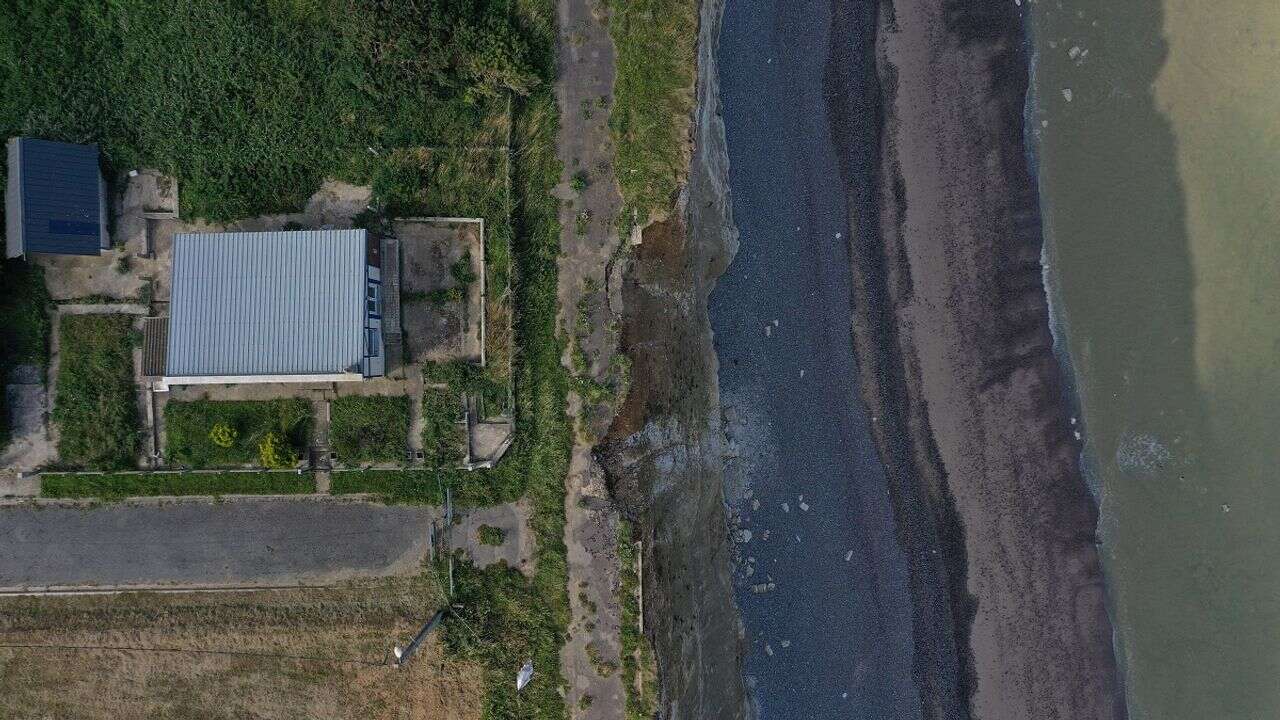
246, 542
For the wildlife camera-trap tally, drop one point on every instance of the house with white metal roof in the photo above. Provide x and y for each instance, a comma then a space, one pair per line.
270, 307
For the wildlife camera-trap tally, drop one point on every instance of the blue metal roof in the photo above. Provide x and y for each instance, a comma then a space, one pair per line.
57, 199
267, 303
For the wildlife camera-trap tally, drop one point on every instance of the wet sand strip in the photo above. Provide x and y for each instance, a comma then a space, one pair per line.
953, 334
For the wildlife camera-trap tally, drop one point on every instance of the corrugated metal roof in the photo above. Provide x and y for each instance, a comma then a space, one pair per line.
268, 303
60, 195
155, 342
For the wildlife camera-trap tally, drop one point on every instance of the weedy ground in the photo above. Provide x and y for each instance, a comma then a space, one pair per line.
278, 654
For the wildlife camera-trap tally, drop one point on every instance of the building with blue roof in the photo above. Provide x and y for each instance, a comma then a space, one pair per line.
55, 200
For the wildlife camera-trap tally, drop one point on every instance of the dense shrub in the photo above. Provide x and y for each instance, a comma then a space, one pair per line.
253, 104
369, 429
117, 486
443, 438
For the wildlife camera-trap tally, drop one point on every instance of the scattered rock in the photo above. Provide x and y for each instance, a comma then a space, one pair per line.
785, 643
1066, 93
786, 508
768, 649
804, 506
848, 556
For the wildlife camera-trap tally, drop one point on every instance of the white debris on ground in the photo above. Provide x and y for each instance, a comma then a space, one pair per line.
768, 649
848, 556
1066, 93
804, 506
786, 508
785, 643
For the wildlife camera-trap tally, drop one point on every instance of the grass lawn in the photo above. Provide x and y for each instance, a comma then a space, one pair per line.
113, 486
191, 439
653, 100
96, 406
316, 654
24, 324
369, 429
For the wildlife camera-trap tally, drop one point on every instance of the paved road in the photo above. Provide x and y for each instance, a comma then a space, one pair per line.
258, 542
831, 637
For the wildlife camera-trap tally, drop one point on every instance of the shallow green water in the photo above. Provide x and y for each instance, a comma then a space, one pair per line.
1161, 188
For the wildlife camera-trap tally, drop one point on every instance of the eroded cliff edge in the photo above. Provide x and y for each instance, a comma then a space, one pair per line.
664, 452
952, 333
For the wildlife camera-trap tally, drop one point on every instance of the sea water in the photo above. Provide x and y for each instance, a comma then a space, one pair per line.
1156, 127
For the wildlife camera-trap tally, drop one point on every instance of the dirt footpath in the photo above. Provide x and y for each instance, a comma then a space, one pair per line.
590, 198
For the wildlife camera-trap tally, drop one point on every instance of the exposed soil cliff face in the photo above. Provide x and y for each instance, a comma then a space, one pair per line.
664, 452
977, 390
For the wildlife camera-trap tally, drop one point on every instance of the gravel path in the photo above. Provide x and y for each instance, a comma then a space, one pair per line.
821, 580
586, 71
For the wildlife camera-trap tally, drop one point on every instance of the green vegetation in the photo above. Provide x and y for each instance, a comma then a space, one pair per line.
462, 272
24, 325
505, 616
462, 182
501, 620
211, 434
274, 452
579, 181
639, 668
653, 100
253, 121
118, 486
407, 487
96, 407
223, 435
443, 438
490, 535
369, 429
472, 379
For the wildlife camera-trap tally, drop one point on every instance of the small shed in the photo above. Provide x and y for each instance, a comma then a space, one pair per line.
55, 201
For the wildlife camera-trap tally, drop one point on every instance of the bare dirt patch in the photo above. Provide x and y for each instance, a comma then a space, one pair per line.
440, 290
